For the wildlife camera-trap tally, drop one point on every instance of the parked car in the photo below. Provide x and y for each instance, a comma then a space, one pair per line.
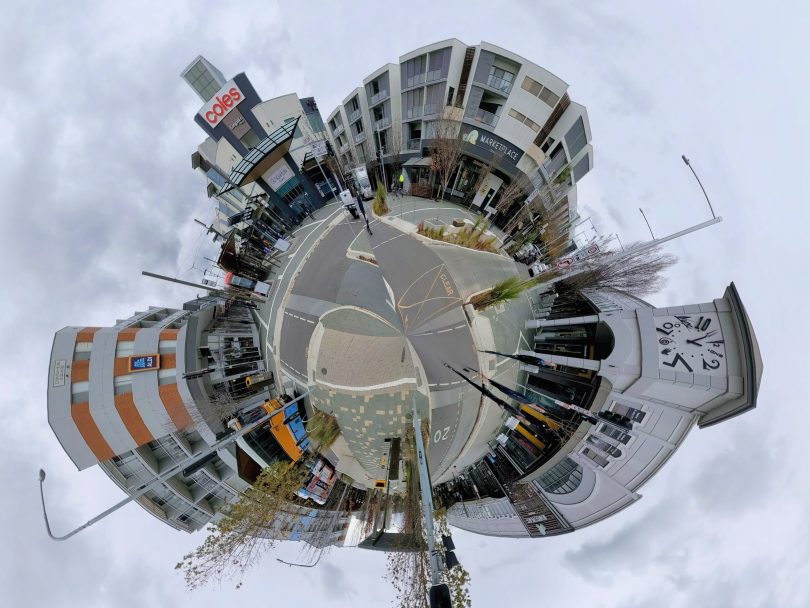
234, 280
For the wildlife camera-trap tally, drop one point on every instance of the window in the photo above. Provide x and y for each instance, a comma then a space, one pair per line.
500, 79
595, 457
581, 168
538, 90
633, 414
532, 86
516, 115
450, 92
576, 138
604, 446
549, 142
563, 478
375, 86
548, 97
615, 433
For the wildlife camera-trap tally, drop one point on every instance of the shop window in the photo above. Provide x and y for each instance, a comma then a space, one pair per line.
614, 433
604, 446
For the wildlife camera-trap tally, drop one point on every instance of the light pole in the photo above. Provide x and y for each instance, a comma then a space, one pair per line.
686, 160
143, 488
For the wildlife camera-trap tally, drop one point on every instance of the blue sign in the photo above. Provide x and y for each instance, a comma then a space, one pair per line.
142, 363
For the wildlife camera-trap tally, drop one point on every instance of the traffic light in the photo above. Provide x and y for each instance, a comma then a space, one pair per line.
450, 560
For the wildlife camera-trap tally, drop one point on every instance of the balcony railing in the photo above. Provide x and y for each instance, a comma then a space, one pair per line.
355, 115
415, 80
433, 75
415, 112
499, 84
378, 97
413, 144
359, 138
344, 148
338, 130
383, 123
431, 108
486, 117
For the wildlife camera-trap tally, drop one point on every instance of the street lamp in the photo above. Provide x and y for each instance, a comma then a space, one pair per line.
686, 160
143, 488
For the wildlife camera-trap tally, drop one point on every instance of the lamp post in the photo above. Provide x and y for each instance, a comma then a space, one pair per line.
686, 160
143, 488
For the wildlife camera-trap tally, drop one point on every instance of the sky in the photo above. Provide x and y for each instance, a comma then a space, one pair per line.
97, 134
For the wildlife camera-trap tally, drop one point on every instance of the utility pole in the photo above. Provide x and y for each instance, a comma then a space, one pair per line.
210, 229
439, 592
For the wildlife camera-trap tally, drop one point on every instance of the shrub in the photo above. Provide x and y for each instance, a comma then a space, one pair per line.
380, 204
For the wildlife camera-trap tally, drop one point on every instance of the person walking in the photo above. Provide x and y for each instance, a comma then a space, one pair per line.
363, 211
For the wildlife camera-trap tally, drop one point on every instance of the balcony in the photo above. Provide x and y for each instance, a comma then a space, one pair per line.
338, 130
415, 112
359, 138
413, 144
488, 118
344, 148
378, 97
355, 115
499, 84
433, 76
415, 80
383, 123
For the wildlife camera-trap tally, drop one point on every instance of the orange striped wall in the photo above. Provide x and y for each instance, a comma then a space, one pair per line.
80, 412
173, 402
131, 418
80, 371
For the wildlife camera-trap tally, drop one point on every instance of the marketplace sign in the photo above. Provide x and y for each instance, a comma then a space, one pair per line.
488, 143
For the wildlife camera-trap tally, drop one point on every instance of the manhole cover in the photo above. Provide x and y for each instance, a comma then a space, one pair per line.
323, 371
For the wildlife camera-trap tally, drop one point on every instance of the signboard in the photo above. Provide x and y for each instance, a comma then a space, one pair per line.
489, 144
318, 148
281, 176
59, 372
580, 255
220, 105
320, 482
143, 363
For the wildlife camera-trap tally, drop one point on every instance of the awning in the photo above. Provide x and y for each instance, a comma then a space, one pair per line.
425, 161
265, 155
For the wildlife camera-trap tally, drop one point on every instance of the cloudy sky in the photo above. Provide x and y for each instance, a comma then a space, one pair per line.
96, 135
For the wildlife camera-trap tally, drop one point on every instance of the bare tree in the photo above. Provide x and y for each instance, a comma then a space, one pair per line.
446, 147
395, 149
637, 271
238, 541
516, 189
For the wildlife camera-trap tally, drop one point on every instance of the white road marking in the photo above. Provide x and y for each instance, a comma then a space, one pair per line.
388, 241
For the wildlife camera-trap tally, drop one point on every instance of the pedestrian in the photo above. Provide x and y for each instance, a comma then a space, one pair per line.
363, 211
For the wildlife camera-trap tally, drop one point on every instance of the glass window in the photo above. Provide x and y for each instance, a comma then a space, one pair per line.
532, 86
581, 168
604, 446
595, 457
633, 414
576, 139
615, 433
563, 478
516, 115
550, 98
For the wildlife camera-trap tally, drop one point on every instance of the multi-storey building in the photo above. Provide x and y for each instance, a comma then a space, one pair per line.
153, 391
268, 148
614, 386
515, 118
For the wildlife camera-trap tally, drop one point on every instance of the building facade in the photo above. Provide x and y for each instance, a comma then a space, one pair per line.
614, 386
254, 148
155, 390
516, 118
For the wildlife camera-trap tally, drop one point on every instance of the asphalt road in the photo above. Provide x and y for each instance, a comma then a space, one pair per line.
429, 304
